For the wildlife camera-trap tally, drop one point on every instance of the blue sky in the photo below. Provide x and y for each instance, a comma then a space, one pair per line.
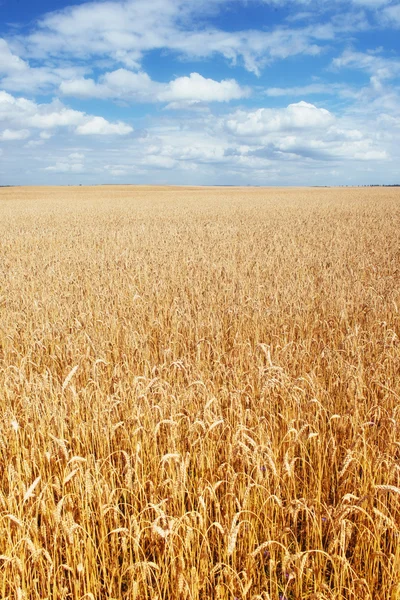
264, 92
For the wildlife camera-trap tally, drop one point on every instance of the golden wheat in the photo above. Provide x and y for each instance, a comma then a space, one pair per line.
199, 393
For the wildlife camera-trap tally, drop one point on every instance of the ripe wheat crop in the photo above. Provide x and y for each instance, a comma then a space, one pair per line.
199, 394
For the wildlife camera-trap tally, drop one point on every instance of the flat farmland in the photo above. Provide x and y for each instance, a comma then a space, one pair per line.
199, 393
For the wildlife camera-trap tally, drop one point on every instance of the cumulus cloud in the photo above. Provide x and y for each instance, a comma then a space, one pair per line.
28, 114
301, 115
18, 110
196, 88
47, 117
82, 88
100, 126
119, 84
128, 85
301, 131
259, 141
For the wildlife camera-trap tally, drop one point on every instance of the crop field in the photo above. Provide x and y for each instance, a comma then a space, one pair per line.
199, 393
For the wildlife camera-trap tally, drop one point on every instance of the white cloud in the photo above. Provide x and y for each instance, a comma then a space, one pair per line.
388, 121
391, 15
291, 141
31, 80
196, 88
26, 113
125, 31
380, 94
371, 62
117, 171
328, 3
13, 134
122, 30
324, 148
65, 167
17, 75
328, 89
95, 49
265, 120
71, 163
159, 161
34, 143
44, 116
84, 88
302, 132
60, 116
203, 150
127, 85
10, 62
99, 126
373, 4
121, 83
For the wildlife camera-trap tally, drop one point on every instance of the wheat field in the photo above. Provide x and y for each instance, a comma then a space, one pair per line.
199, 393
